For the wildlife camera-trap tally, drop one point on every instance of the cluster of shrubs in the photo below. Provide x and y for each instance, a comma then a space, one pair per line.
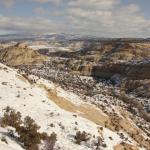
27, 131
84, 137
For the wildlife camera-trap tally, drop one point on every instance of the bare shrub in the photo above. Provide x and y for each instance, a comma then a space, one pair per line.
29, 134
81, 136
3, 139
98, 143
43, 135
11, 118
27, 131
50, 141
11, 133
33, 147
1, 121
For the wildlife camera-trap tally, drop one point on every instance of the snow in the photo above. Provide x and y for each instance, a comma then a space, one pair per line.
49, 47
12, 145
32, 100
110, 143
69, 95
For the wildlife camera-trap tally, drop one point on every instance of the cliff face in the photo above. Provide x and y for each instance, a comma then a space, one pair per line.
131, 71
20, 54
134, 78
140, 87
127, 63
103, 60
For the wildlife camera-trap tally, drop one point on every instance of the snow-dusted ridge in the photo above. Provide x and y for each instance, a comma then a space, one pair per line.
33, 100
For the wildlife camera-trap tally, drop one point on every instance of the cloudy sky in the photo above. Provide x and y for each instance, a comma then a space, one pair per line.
103, 18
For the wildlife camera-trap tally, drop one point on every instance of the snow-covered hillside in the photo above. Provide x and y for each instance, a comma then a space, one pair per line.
55, 110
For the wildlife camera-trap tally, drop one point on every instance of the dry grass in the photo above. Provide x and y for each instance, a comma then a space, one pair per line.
125, 146
136, 133
95, 115
86, 110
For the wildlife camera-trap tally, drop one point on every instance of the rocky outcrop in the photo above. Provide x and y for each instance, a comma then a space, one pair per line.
133, 78
20, 54
137, 71
140, 87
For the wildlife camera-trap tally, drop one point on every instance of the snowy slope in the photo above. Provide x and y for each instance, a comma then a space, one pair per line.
12, 145
33, 100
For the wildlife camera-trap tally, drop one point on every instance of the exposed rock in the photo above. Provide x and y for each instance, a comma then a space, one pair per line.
137, 71
21, 54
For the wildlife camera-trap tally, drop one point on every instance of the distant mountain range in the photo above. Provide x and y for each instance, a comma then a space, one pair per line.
64, 37
53, 36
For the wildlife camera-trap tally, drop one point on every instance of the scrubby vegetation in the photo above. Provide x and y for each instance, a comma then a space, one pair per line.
3, 139
29, 136
11, 118
81, 137
49, 141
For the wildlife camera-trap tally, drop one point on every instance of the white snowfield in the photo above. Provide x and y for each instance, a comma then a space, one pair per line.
32, 100
51, 48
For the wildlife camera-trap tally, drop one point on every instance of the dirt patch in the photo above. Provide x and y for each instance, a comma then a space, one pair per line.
125, 146
93, 114
87, 111
60, 101
137, 134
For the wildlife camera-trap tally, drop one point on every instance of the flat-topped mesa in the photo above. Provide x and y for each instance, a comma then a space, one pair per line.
20, 54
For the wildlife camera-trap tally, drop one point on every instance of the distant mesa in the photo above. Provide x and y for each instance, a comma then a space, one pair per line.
20, 54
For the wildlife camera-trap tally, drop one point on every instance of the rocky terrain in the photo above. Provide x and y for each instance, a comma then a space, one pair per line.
19, 54
102, 86
125, 64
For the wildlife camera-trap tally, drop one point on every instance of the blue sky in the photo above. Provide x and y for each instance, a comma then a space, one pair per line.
103, 18
144, 5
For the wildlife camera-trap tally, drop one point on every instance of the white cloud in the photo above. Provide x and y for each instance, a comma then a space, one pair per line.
93, 4
28, 24
7, 3
40, 11
46, 1
90, 17
107, 18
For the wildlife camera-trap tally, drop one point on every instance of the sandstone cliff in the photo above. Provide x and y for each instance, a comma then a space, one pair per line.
20, 54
